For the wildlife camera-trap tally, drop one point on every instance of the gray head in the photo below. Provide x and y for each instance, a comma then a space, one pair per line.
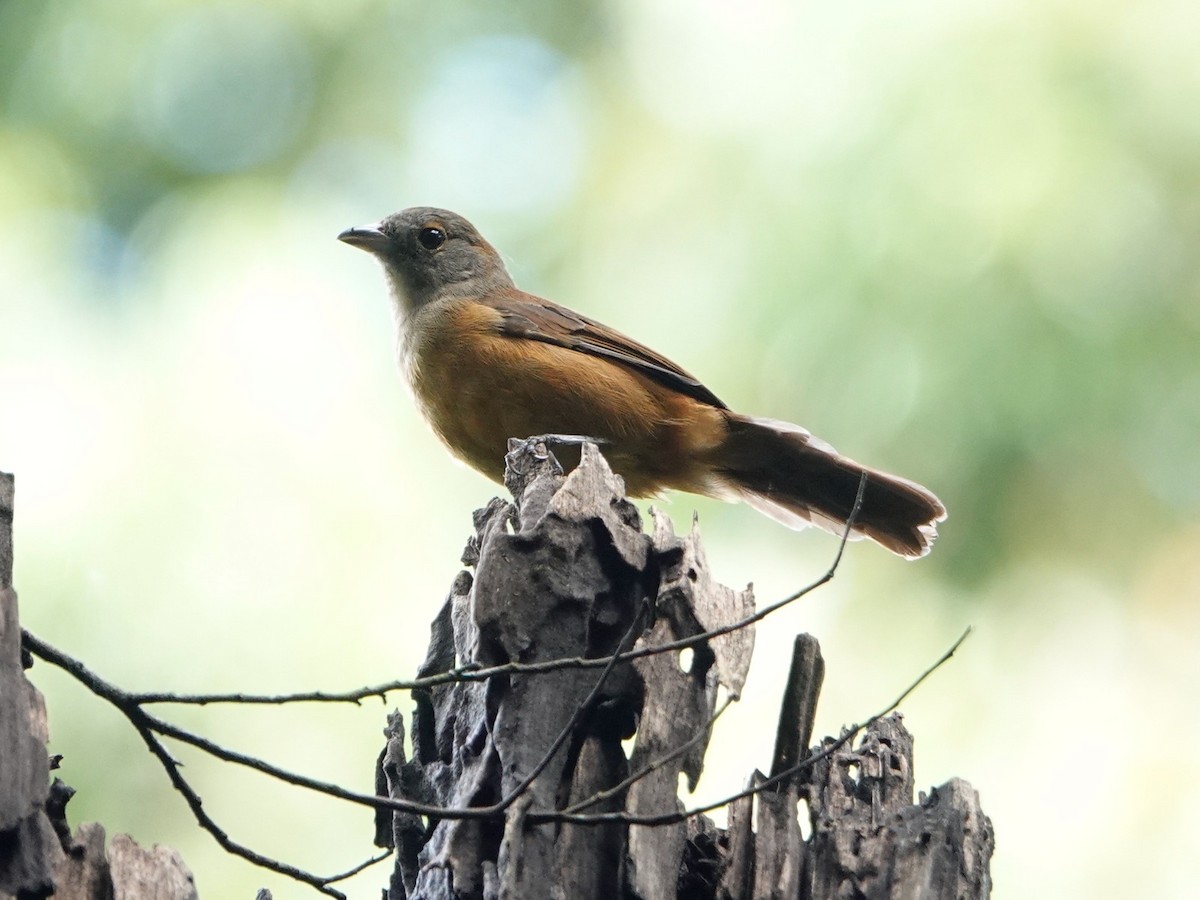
431, 254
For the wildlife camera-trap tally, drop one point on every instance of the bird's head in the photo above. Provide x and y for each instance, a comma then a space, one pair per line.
431, 254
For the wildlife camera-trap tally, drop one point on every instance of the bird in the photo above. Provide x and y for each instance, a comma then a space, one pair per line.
488, 362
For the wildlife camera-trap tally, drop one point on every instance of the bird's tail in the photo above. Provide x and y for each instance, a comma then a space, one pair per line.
783, 471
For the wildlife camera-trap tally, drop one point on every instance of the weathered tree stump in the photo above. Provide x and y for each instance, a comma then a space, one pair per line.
566, 572
29, 847
869, 841
38, 856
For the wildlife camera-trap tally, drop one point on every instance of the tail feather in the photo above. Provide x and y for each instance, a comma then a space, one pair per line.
784, 472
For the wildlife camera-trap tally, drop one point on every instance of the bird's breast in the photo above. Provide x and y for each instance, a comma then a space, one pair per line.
478, 387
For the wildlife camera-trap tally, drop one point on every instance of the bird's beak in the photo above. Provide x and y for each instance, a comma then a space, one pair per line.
366, 237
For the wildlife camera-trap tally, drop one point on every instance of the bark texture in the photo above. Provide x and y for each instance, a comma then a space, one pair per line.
871, 841
566, 571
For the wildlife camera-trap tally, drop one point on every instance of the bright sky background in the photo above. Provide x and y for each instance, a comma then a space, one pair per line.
956, 240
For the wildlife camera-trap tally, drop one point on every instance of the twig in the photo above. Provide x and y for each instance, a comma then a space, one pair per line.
767, 783
474, 672
601, 796
153, 729
141, 720
130, 709
195, 804
576, 715
361, 867
150, 728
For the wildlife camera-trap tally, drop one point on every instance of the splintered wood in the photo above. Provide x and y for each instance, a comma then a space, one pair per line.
566, 572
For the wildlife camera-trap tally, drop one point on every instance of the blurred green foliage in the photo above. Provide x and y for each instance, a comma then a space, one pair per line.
958, 241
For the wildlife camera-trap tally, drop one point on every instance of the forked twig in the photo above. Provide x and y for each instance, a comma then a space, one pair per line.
151, 728
474, 672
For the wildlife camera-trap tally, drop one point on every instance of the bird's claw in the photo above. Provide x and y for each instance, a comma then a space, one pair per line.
530, 444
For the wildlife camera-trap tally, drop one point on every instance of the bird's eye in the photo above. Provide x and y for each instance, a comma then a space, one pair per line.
431, 238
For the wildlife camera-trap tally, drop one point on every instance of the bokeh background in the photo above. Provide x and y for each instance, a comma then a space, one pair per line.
957, 240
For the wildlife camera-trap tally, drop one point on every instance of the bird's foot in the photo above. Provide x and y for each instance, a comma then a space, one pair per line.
530, 444
527, 456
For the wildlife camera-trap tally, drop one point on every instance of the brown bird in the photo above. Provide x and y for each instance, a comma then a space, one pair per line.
488, 361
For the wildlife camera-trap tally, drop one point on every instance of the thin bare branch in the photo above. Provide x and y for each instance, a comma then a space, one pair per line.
601, 796
137, 716
565, 732
144, 722
195, 804
675, 817
474, 672
151, 728
361, 867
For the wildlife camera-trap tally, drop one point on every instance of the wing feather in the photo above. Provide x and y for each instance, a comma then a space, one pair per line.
532, 318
